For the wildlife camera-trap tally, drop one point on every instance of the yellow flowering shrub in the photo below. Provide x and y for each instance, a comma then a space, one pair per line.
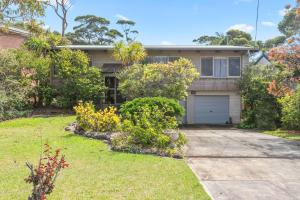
105, 120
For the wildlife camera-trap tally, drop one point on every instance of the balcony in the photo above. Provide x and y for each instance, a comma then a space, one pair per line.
215, 84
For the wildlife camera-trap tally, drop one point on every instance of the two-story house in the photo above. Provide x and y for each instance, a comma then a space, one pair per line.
212, 99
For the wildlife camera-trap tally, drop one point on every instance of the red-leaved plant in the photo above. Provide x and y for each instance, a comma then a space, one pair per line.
44, 175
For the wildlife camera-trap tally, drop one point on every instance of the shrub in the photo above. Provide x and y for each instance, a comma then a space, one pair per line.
151, 80
80, 82
261, 109
101, 121
150, 127
45, 174
291, 110
14, 88
171, 107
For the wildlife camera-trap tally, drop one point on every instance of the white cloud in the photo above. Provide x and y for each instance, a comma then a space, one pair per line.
167, 43
122, 17
283, 12
46, 26
242, 27
269, 24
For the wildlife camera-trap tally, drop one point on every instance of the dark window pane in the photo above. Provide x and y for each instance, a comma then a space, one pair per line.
110, 97
110, 82
234, 66
206, 66
160, 59
173, 58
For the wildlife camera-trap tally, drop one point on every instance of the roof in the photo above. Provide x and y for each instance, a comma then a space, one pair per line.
16, 30
165, 47
260, 56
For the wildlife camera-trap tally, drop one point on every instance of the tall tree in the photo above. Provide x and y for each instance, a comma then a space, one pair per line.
274, 42
290, 24
61, 9
287, 56
232, 37
211, 40
93, 30
129, 33
13, 10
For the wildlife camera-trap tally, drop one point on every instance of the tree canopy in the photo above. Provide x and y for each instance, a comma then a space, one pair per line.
93, 30
150, 80
130, 34
129, 54
232, 37
290, 24
274, 42
14, 10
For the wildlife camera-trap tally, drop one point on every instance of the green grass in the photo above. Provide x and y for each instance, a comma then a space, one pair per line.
284, 134
95, 172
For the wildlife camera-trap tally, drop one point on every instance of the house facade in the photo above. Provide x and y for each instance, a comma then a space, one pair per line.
11, 37
214, 98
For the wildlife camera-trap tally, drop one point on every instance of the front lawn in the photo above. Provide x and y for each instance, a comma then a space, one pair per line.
284, 134
95, 172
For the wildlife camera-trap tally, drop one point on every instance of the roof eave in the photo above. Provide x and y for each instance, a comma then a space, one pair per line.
166, 48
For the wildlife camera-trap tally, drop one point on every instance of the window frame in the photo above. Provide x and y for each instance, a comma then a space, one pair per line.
240, 57
115, 90
163, 56
213, 63
227, 63
227, 58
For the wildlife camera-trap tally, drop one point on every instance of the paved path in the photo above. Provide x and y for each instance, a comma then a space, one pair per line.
236, 165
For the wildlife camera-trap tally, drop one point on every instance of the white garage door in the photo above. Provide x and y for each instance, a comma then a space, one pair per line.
211, 109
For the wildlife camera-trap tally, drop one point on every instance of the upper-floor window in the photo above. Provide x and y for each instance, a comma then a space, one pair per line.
207, 66
161, 59
220, 67
234, 66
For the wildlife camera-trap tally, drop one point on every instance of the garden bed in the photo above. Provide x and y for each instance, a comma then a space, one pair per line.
107, 137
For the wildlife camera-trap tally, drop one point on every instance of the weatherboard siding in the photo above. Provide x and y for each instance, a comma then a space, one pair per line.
99, 57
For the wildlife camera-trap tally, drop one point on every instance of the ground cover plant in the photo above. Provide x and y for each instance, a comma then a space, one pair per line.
290, 135
95, 172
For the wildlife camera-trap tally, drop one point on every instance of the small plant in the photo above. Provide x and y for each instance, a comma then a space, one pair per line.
45, 174
101, 121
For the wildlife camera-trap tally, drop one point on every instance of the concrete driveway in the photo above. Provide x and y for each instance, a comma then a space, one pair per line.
235, 164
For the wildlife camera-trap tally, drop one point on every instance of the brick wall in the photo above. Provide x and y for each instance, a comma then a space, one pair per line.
10, 40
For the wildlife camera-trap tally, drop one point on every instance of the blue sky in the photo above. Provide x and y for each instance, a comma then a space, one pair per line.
180, 21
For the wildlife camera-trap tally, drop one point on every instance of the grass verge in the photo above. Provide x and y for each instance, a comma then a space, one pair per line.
95, 172
290, 135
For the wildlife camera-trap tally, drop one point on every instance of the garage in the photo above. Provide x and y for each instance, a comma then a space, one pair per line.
211, 109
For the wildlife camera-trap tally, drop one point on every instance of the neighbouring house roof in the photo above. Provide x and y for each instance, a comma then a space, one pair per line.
16, 30
261, 58
166, 47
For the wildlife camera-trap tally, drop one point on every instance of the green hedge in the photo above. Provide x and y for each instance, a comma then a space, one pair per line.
170, 106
